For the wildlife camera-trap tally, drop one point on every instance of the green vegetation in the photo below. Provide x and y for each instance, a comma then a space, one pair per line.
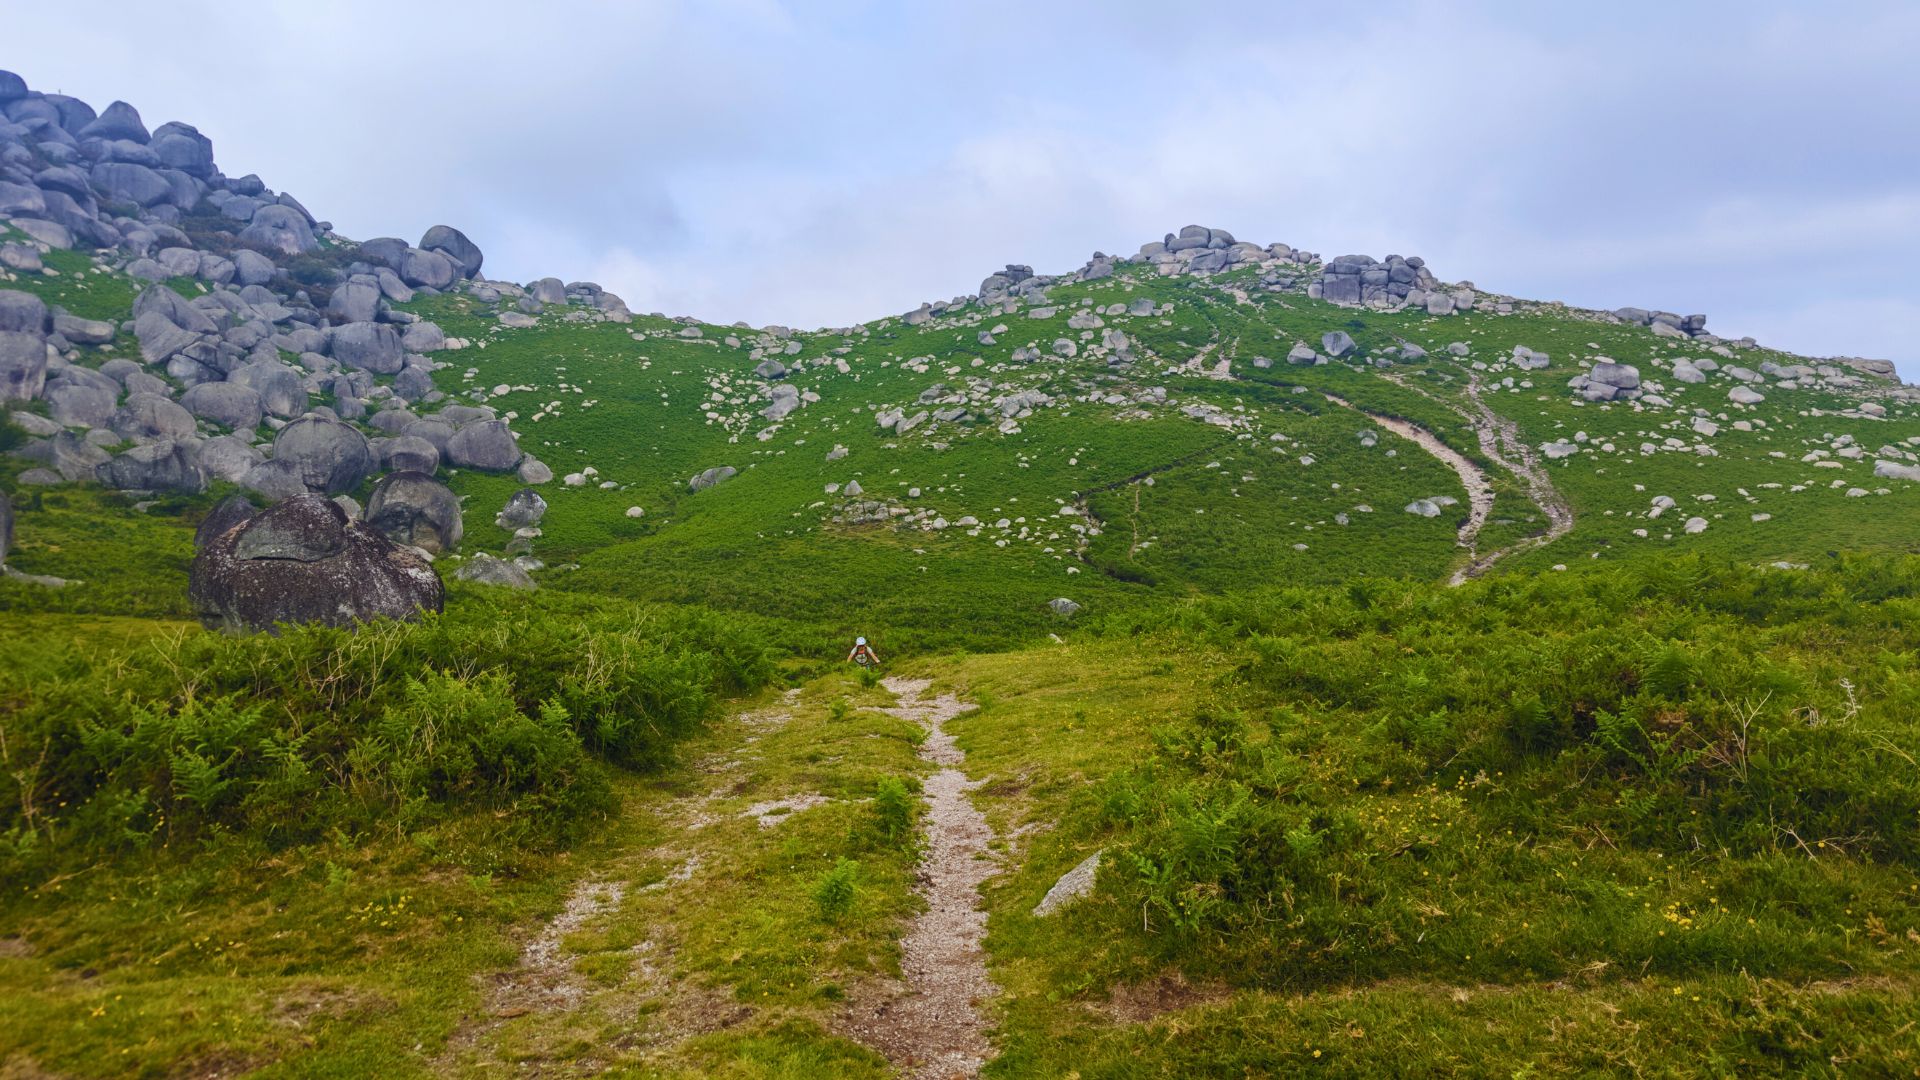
1641, 800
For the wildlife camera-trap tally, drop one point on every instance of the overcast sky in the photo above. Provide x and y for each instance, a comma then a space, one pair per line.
820, 163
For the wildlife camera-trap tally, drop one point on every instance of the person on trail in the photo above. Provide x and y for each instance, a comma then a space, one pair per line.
863, 654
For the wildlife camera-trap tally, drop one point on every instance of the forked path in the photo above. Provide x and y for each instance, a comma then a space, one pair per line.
930, 1025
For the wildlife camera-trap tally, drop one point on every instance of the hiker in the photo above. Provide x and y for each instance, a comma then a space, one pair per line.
863, 654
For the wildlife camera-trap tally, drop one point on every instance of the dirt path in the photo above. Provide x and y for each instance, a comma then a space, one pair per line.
1500, 440
1479, 488
538, 1011
930, 1025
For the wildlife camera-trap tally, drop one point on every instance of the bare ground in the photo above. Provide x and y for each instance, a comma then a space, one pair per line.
929, 1024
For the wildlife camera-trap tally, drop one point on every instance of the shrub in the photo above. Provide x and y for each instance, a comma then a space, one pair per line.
322, 730
835, 890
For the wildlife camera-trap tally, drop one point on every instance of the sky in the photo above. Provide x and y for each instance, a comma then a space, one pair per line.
822, 163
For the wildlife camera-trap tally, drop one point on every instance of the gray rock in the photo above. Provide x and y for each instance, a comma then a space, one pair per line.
413, 383
436, 430
227, 514
423, 337
81, 405
1337, 343
487, 445
125, 182
407, 453
181, 146
120, 121
1743, 395
165, 465
160, 340
230, 404
428, 269
354, 302
1073, 885
303, 561
281, 229
368, 346
414, 508
534, 471
484, 569
1063, 607
252, 268
22, 312
1618, 376
152, 418
83, 331
12, 88
23, 365
282, 391
524, 510
329, 457
453, 243
229, 458
548, 291
710, 477
20, 258
174, 308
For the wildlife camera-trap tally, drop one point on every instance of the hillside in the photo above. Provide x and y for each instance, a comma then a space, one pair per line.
1423, 679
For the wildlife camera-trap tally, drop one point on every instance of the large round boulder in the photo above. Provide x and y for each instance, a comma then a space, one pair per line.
165, 465
23, 365
22, 312
229, 457
150, 417
181, 146
414, 508
407, 453
427, 268
120, 121
229, 404
304, 561
328, 456
282, 391
279, 228
487, 445
368, 346
454, 244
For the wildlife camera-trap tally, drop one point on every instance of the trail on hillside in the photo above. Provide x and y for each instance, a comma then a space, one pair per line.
554, 1005
1501, 441
930, 1024
1479, 488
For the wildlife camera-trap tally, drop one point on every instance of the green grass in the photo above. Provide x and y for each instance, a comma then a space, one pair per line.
1655, 814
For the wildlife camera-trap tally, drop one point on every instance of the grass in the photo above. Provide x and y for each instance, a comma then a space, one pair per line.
1480, 885
1654, 814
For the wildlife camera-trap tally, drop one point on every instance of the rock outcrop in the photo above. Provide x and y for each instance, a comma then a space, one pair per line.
303, 561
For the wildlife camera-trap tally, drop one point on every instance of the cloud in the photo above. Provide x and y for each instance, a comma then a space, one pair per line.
829, 162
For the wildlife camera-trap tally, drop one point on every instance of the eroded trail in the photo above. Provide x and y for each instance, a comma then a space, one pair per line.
930, 1025
1500, 440
1479, 488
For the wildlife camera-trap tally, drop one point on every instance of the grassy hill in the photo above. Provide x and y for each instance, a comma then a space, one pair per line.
1636, 799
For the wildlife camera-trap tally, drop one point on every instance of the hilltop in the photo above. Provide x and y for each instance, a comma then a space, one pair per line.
1294, 662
